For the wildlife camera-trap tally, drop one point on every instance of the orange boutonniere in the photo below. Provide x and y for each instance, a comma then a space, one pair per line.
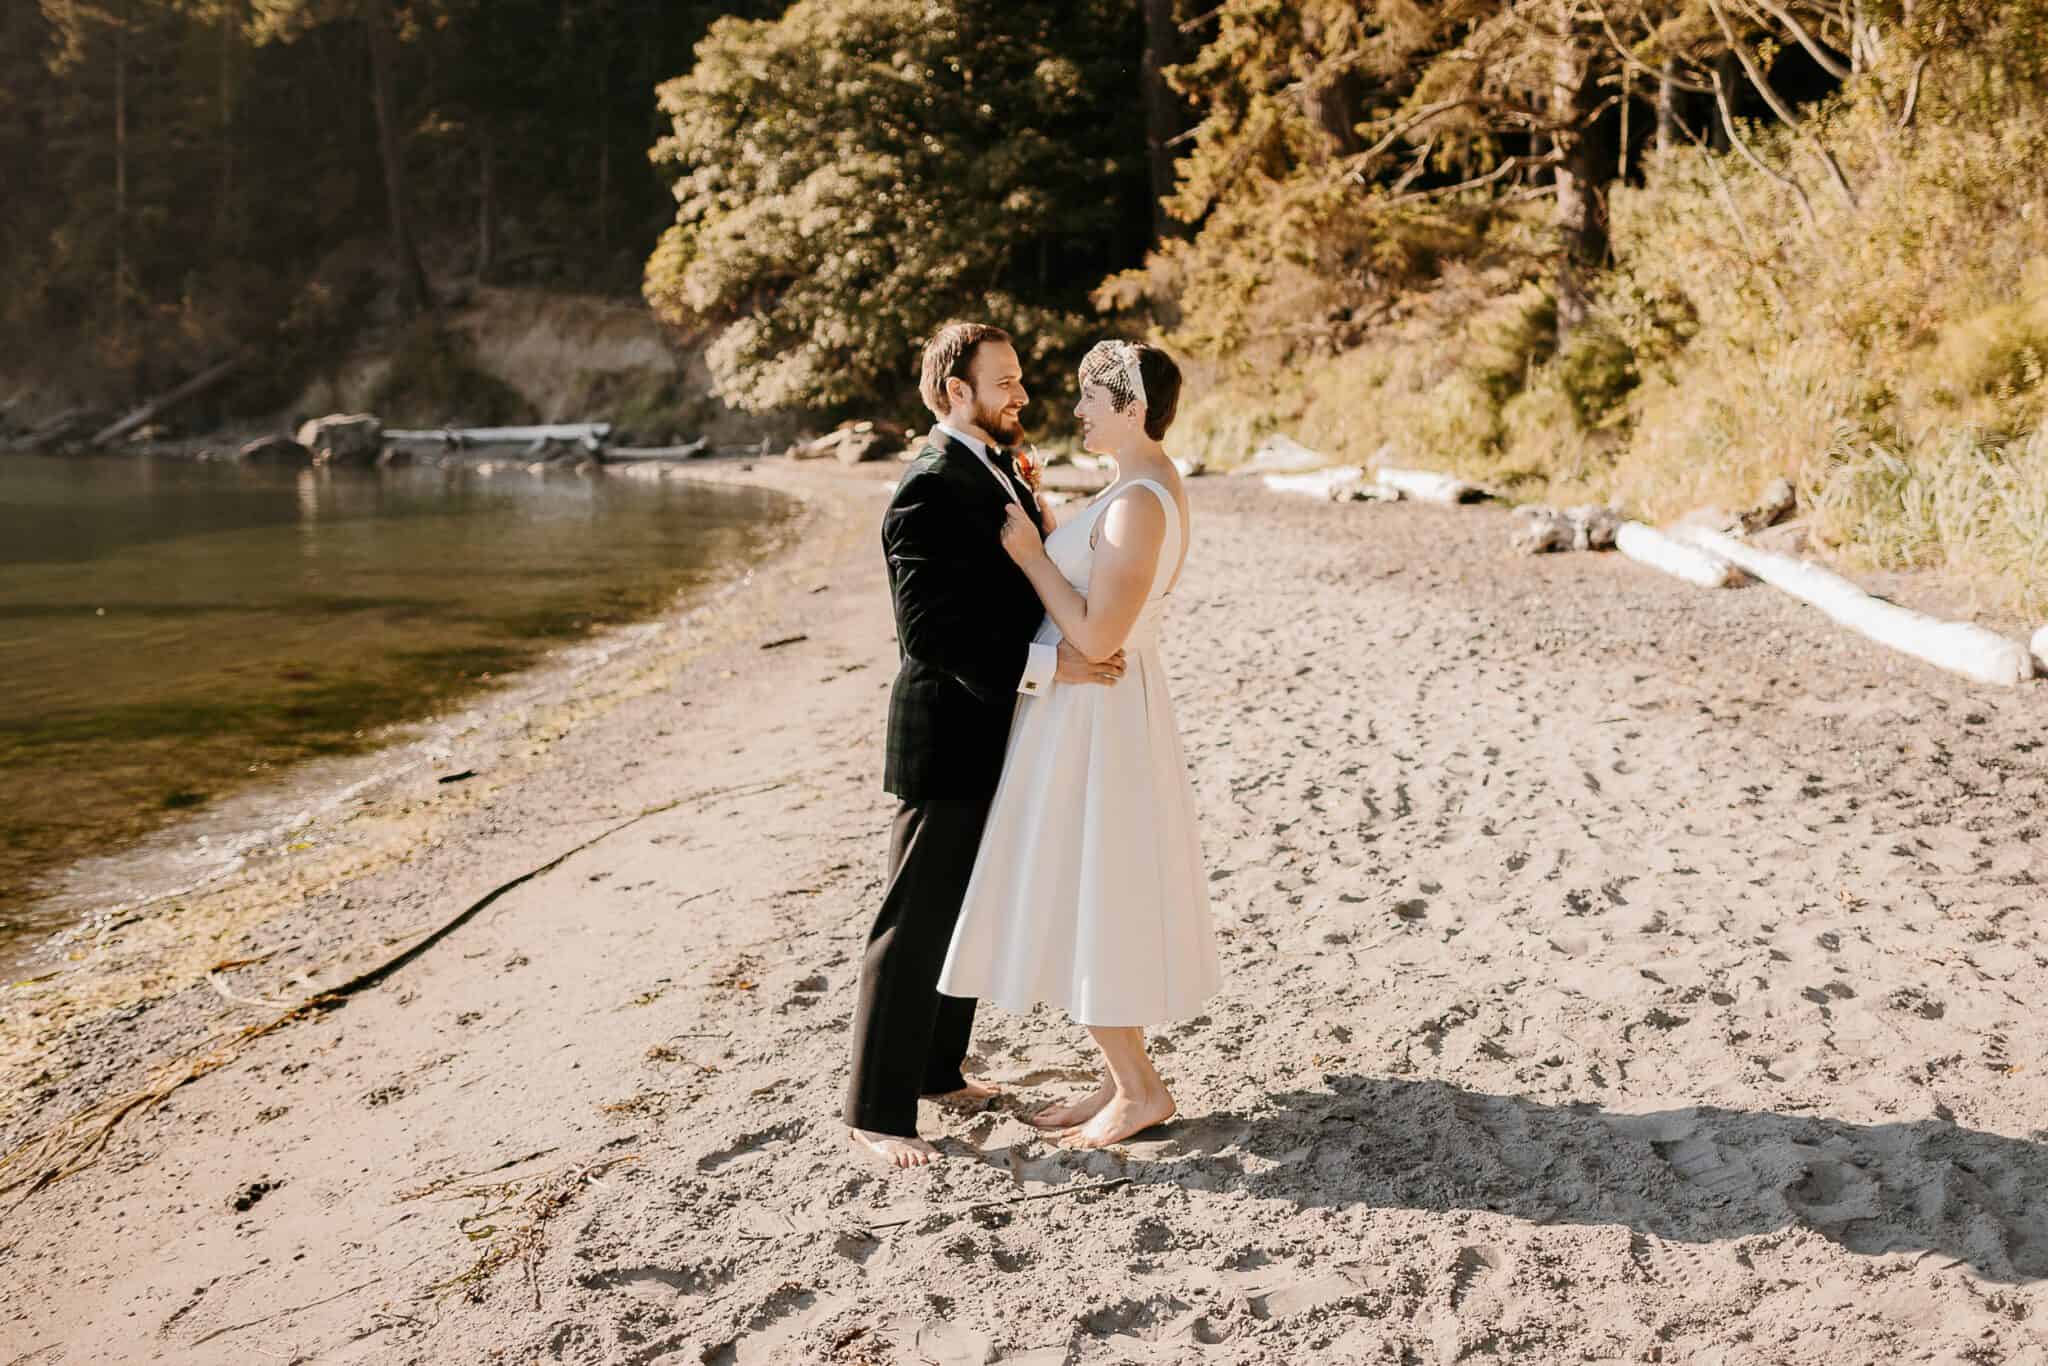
1028, 469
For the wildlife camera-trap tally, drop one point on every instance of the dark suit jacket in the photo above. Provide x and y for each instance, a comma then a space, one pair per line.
965, 615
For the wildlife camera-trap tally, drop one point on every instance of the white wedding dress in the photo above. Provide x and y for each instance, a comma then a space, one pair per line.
1088, 891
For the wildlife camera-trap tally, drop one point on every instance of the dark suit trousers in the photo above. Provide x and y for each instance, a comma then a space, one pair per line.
908, 1040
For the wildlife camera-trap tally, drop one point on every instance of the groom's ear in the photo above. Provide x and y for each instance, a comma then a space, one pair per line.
958, 396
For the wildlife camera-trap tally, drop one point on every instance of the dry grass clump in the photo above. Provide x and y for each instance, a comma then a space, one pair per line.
1973, 503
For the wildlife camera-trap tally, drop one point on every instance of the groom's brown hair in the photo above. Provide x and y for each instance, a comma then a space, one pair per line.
948, 355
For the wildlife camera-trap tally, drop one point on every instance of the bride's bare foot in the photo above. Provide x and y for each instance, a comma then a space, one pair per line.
894, 1149
1121, 1118
1074, 1112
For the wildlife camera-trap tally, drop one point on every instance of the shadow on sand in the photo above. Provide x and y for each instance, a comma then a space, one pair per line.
1699, 1174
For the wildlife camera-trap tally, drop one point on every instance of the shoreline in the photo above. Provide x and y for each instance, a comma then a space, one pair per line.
300, 818
1613, 969
182, 853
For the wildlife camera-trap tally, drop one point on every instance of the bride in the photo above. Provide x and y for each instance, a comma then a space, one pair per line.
1088, 892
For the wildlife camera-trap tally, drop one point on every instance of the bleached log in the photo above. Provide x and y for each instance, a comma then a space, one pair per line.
1190, 469
682, 452
1426, 486
1279, 454
588, 434
1957, 646
2040, 645
1339, 485
1649, 546
198, 384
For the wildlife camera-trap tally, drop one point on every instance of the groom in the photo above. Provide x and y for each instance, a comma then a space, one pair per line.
965, 617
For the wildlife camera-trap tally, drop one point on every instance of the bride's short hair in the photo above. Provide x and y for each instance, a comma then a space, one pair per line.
948, 355
1156, 372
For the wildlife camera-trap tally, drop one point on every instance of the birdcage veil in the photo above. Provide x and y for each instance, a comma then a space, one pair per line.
1114, 366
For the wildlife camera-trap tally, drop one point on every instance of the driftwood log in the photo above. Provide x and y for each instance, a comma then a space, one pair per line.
1344, 484
682, 452
2040, 647
590, 435
1542, 529
1427, 486
198, 384
1647, 545
1957, 646
1283, 455
54, 429
853, 442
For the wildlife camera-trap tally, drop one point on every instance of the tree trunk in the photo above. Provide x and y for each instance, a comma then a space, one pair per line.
198, 384
1729, 68
1163, 115
487, 206
226, 219
121, 172
1580, 217
413, 294
604, 159
1333, 106
1667, 107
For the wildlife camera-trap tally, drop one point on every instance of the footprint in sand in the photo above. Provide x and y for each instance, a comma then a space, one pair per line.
1831, 1193
656, 1282
1299, 1296
1692, 1271
1474, 1268
946, 1344
1715, 1174
771, 1330
750, 1143
1156, 1318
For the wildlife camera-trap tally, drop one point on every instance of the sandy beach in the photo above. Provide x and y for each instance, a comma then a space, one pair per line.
1616, 971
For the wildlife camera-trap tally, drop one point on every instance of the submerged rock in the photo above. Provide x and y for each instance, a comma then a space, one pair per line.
280, 449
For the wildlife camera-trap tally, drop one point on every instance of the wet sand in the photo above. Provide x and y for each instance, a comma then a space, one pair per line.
1615, 971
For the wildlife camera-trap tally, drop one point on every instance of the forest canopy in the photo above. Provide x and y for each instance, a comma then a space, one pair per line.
854, 173
1651, 250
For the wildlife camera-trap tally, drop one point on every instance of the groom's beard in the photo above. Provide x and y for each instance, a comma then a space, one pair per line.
1001, 425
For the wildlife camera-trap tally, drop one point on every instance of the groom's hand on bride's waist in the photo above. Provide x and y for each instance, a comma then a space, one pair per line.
1075, 667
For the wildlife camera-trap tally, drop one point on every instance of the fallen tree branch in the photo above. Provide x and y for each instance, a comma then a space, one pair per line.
199, 383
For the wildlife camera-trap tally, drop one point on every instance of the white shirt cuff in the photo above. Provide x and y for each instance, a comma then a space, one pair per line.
1039, 664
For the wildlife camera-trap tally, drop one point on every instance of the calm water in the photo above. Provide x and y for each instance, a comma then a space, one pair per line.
170, 630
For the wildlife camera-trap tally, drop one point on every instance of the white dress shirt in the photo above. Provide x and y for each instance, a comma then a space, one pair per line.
1041, 660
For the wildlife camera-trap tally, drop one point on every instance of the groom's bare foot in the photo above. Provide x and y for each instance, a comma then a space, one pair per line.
971, 1093
1074, 1112
1121, 1118
894, 1149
